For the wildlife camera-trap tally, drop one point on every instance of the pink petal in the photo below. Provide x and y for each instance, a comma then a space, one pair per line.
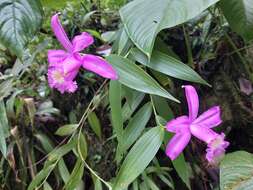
178, 124
210, 118
216, 149
82, 41
203, 133
60, 33
71, 64
56, 56
99, 66
192, 100
177, 145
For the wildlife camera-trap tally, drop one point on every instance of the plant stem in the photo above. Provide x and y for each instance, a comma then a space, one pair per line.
188, 48
237, 51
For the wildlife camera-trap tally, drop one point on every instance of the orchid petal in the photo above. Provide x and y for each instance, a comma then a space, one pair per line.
82, 41
192, 100
203, 133
210, 118
60, 33
178, 124
99, 66
56, 56
71, 64
177, 145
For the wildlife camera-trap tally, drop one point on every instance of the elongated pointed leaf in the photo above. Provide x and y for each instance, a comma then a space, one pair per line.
66, 129
95, 124
167, 65
116, 112
76, 176
41, 177
239, 14
144, 19
136, 125
19, 20
134, 77
4, 129
133, 100
139, 157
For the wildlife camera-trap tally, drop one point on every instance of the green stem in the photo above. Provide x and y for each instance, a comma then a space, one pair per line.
94, 173
188, 48
237, 51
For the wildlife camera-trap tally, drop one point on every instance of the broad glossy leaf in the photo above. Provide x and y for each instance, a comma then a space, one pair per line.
139, 157
19, 20
134, 77
236, 171
167, 65
144, 19
239, 14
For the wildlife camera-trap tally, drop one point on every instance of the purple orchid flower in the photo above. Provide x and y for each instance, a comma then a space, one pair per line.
65, 64
186, 126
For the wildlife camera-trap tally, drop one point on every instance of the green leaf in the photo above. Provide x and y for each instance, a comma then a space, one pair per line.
4, 129
239, 14
124, 42
53, 159
97, 183
95, 124
236, 171
19, 20
76, 176
82, 146
182, 169
63, 170
168, 65
139, 157
162, 107
47, 186
116, 112
66, 130
133, 100
134, 77
48, 147
144, 19
41, 177
61, 151
56, 4
136, 125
